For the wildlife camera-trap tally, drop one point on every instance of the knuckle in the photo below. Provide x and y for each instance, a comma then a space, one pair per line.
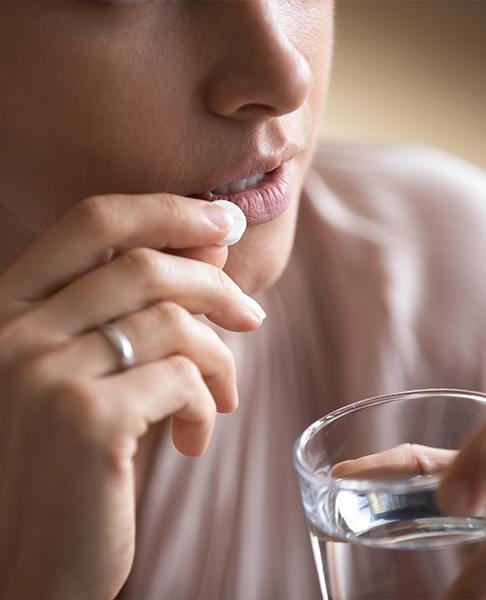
207, 409
201, 405
224, 284
71, 391
23, 345
65, 401
185, 369
143, 261
174, 207
406, 447
179, 323
18, 327
222, 354
79, 409
210, 409
37, 371
227, 361
12, 334
72, 406
409, 452
195, 393
118, 453
96, 214
220, 278
173, 314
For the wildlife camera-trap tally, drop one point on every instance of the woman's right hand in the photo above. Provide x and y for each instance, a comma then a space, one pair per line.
69, 418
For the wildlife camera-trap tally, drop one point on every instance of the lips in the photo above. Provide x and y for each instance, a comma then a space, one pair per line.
262, 192
250, 167
266, 201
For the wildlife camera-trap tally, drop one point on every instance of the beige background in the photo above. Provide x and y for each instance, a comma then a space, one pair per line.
411, 70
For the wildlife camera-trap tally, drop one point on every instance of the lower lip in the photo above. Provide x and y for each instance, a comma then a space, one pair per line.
266, 202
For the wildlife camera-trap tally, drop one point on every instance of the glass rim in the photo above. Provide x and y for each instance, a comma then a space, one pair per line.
398, 484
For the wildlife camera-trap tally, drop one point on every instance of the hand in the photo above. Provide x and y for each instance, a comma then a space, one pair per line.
462, 491
404, 460
69, 419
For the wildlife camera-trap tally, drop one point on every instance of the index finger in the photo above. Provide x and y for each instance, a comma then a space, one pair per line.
401, 461
98, 228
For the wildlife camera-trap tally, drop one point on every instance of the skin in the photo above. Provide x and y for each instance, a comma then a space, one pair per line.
124, 111
461, 493
110, 114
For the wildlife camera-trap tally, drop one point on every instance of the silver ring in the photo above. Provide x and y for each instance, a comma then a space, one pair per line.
120, 343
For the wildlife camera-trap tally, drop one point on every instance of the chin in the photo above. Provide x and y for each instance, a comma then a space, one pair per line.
260, 258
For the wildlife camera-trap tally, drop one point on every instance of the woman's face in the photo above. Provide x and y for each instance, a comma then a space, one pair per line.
144, 96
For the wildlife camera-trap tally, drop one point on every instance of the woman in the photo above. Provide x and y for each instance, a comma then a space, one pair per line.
118, 117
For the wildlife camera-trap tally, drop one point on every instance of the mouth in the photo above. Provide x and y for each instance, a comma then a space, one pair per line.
241, 185
262, 194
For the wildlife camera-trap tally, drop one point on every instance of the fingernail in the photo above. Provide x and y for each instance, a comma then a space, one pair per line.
458, 497
255, 308
219, 216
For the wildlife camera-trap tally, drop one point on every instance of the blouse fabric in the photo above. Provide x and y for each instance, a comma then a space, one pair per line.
385, 290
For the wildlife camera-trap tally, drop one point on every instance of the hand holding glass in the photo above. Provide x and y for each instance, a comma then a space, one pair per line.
369, 475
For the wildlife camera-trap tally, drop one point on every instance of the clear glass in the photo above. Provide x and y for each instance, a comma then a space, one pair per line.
379, 533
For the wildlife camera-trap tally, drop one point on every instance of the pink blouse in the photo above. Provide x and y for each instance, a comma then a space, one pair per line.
385, 290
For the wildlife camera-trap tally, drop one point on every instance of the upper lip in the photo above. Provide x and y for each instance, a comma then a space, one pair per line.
251, 166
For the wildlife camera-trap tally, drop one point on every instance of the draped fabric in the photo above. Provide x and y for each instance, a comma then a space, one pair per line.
385, 290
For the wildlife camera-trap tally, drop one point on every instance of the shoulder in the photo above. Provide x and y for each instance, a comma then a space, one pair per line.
422, 211
418, 192
419, 175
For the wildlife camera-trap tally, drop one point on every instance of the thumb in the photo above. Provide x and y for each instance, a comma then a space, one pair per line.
463, 487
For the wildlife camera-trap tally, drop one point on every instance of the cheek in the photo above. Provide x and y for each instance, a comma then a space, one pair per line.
93, 104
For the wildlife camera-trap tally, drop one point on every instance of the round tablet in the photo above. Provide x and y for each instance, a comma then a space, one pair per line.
239, 223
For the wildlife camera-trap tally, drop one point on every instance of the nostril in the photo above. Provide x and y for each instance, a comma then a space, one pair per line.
276, 83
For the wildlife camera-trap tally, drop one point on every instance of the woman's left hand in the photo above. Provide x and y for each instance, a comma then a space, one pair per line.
462, 491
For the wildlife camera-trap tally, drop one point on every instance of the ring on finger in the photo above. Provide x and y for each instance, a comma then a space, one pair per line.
120, 343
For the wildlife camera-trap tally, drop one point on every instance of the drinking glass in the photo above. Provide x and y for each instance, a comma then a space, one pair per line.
375, 525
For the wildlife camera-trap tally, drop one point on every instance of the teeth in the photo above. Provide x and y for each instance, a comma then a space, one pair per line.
239, 185
222, 189
251, 180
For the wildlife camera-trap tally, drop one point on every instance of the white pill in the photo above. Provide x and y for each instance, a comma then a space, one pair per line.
239, 221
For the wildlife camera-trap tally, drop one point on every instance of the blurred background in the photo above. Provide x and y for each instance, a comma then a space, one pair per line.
411, 70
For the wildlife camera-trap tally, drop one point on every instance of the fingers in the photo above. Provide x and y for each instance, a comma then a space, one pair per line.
134, 280
463, 488
155, 333
98, 228
214, 255
400, 461
149, 393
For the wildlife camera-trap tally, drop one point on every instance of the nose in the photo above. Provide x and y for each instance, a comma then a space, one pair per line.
260, 74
